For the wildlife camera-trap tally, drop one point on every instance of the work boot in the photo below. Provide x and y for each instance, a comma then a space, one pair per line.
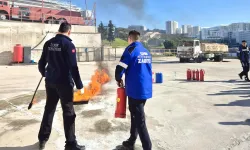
129, 144
42, 145
74, 147
240, 75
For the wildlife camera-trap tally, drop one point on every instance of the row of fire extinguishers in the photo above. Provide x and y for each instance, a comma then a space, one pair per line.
197, 75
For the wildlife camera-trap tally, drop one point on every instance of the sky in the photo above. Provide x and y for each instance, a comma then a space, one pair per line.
154, 13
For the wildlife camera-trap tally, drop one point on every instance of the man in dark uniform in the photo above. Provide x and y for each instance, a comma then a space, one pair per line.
136, 64
59, 54
244, 59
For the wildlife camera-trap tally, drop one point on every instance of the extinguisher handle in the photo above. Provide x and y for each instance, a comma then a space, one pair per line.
120, 84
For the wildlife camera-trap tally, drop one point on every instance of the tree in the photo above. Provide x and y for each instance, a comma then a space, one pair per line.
168, 44
122, 33
145, 44
111, 32
103, 31
154, 42
172, 41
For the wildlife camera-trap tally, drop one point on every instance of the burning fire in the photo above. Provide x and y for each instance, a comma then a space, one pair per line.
100, 78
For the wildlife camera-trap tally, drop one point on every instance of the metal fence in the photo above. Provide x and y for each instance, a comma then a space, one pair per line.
109, 54
163, 52
89, 54
86, 54
232, 53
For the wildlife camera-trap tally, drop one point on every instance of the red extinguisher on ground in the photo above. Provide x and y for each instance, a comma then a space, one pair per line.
189, 74
121, 105
197, 75
202, 75
194, 75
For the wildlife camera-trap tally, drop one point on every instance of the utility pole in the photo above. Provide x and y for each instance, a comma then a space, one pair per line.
95, 17
42, 12
70, 11
86, 19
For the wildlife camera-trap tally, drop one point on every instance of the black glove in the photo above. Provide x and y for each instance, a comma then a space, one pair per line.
43, 73
120, 83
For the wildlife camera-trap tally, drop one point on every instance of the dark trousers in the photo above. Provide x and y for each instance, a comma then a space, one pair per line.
245, 66
138, 124
65, 94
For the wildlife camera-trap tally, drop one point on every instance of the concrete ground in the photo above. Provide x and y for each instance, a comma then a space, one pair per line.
210, 115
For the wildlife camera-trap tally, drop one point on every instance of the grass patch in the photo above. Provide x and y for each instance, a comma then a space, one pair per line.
117, 43
152, 47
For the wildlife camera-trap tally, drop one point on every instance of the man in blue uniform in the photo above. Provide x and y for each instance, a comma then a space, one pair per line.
244, 59
136, 64
59, 54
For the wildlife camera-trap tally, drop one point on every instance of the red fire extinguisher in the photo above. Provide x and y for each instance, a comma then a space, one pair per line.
202, 75
194, 75
189, 74
153, 77
121, 103
197, 75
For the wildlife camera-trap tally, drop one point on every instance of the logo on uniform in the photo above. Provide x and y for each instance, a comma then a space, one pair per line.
54, 47
144, 58
73, 50
144, 53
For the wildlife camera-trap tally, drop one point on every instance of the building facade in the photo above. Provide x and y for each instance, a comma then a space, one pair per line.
242, 35
239, 27
171, 27
179, 31
184, 29
196, 31
189, 30
212, 34
215, 33
175, 26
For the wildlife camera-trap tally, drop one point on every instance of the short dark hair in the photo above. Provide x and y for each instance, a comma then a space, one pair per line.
134, 35
244, 41
64, 27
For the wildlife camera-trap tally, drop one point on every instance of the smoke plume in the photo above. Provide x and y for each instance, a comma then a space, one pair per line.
134, 8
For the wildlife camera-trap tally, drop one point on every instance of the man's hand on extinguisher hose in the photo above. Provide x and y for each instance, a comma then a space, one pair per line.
81, 91
120, 83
